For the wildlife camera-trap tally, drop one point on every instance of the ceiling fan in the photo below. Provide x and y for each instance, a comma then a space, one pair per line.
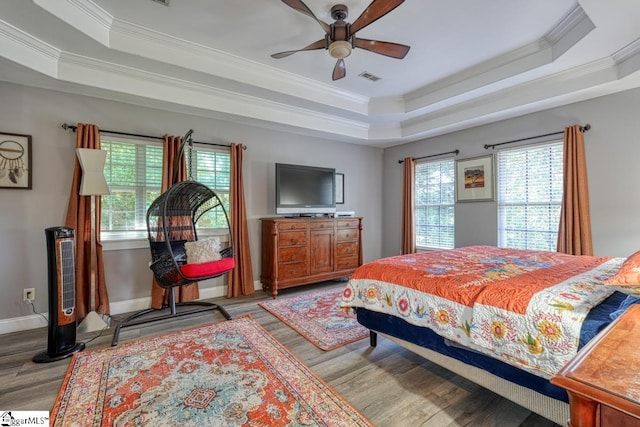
340, 37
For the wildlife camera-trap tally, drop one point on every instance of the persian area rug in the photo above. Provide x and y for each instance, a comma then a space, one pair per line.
232, 373
318, 317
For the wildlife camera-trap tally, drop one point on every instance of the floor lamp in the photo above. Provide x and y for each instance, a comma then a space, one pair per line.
93, 184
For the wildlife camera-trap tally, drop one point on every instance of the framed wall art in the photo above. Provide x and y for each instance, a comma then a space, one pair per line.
15, 161
339, 188
475, 179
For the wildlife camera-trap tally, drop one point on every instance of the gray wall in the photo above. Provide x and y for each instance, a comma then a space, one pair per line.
612, 150
24, 214
612, 147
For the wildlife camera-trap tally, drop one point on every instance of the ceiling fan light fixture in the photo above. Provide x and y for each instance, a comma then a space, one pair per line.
340, 49
340, 36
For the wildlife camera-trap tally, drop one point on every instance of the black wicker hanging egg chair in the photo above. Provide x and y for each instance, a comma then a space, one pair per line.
172, 222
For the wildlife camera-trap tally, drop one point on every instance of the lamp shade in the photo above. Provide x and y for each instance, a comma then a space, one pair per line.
92, 162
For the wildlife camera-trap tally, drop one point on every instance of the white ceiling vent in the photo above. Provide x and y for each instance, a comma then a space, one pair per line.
164, 2
368, 75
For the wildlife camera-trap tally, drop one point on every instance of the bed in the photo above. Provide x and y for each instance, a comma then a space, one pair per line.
505, 319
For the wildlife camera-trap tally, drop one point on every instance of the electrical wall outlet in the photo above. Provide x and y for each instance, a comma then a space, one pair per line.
29, 294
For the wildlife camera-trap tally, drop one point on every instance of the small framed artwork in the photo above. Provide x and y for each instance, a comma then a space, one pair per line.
339, 188
475, 180
15, 161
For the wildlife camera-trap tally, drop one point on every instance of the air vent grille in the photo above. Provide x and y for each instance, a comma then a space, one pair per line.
164, 2
67, 268
367, 75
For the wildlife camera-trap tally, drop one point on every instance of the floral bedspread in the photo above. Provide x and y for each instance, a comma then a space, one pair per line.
525, 308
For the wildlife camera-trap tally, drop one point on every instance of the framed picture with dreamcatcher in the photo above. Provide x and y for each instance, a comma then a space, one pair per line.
15, 161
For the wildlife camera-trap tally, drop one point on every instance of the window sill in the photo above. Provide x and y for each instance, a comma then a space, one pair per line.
429, 249
124, 244
143, 243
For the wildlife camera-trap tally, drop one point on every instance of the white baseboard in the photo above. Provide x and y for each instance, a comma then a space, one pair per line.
33, 321
22, 323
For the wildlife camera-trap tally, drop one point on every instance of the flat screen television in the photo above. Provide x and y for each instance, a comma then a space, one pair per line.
304, 190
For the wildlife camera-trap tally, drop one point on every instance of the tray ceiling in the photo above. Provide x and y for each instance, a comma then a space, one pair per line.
471, 62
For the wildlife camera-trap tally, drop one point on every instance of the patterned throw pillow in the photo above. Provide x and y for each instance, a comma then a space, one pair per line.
629, 273
627, 279
204, 250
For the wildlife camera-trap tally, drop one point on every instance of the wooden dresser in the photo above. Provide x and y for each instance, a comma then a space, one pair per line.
603, 380
299, 251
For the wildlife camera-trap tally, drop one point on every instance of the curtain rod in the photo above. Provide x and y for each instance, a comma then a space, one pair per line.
583, 129
73, 128
456, 152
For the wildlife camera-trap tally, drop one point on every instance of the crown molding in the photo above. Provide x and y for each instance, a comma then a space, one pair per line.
138, 40
127, 37
84, 15
105, 75
544, 92
571, 29
271, 98
26, 50
473, 79
628, 59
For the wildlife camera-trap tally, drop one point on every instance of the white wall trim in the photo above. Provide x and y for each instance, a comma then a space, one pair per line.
33, 321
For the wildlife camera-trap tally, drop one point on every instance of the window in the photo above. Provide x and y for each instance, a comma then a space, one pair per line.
434, 204
213, 169
530, 196
133, 170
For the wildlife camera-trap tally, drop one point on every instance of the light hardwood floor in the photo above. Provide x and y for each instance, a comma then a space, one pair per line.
389, 385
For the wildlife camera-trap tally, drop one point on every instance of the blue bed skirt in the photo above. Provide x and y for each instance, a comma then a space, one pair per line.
596, 320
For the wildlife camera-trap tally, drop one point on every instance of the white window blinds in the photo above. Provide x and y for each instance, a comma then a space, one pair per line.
212, 167
434, 204
530, 196
134, 174
133, 170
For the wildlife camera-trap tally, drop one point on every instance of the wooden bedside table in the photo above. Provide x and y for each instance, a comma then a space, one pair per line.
603, 379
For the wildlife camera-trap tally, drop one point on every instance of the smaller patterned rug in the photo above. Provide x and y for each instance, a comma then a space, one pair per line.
317, 316
232, 373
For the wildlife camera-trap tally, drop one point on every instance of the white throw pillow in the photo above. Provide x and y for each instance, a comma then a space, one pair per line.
204, 250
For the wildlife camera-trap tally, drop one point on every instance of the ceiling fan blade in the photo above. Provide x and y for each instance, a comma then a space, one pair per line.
320, 44
393, 50
376, 10
302, 8
339, 71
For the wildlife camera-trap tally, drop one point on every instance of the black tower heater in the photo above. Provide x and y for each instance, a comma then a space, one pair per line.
62, 296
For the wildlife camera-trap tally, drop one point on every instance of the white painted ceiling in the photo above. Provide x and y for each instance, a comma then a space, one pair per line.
471, 61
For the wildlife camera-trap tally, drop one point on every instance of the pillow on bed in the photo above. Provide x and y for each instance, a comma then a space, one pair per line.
203, 250
629, 273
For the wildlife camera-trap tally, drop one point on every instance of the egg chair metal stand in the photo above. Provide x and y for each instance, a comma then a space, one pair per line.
171, 223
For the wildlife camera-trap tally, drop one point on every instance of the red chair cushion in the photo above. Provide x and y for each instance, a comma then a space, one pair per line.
208, 269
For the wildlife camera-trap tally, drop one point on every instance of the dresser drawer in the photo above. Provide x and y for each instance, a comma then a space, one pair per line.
347, 223
292, 238
347, 263
347, 234
290, 271
347, 249
610, 417
321, 225
292, 225
292, 254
